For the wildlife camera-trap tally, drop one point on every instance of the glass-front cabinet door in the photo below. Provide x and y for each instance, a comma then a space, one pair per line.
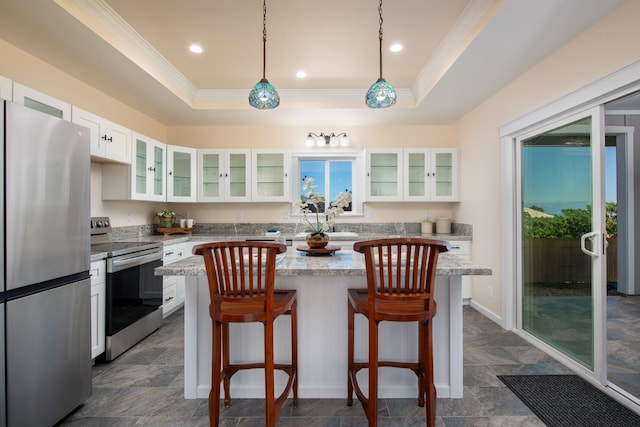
148, 169
224, 175
443, 175
270, 181
384, 175
181, 174
431, 174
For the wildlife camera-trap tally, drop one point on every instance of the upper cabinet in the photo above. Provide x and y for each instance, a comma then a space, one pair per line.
384, 175
6, 88
414, 174
181, 174
430, 174
144, 179
224, 175
109, 141
42, 102
270, 176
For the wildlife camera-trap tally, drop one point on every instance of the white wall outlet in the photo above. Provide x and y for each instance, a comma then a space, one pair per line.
490, 291
427, 215
128, 218
239, 216
369, 215
286, 216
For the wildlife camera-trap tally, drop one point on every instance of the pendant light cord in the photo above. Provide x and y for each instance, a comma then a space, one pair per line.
380, 35
264, 39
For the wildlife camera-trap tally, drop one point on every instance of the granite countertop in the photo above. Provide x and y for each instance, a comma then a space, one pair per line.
181, 238
341, 263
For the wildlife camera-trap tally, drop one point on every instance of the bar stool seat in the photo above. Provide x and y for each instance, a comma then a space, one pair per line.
400, 283
241, 277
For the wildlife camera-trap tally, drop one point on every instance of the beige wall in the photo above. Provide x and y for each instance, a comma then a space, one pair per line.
604, 48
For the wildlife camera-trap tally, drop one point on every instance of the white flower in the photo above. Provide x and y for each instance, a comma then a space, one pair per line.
310, 198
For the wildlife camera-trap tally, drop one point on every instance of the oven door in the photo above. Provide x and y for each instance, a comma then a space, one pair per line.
133, 292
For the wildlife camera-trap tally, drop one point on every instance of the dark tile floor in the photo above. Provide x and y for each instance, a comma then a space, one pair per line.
143, 387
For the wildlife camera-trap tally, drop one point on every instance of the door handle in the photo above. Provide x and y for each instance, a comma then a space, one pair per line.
583, 243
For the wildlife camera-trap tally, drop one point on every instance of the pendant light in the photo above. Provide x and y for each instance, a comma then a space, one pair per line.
381, 94
263, 95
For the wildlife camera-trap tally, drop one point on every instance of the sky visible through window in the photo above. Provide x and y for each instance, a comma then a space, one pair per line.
556, 177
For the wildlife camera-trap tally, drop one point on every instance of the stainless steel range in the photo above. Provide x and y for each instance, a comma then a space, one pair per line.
134, 292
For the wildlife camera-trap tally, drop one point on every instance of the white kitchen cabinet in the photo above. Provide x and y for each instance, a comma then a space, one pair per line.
42, 102
462, 248
98, 307
6, 88
109, 141
173, 286
384, 175
270, 176
224, 175
430, 174
144, 179
181, 174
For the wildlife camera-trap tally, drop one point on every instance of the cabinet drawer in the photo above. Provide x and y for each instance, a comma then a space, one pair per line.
172, 253
98, 272
169, 300
460, 247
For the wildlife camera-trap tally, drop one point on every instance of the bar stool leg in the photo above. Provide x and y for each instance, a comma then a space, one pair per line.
214, 394
226, 378
430, 387
372, 404
294, 351
269, 376
350, 354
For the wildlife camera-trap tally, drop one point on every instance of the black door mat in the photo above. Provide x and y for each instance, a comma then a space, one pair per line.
568, 400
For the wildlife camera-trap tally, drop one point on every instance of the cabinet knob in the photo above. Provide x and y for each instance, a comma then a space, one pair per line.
170, 173
221, 175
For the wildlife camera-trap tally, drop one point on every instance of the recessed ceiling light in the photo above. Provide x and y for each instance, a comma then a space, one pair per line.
196, 48
301, 74
396, 47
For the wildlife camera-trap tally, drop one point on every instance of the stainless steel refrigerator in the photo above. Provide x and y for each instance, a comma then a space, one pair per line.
45, 289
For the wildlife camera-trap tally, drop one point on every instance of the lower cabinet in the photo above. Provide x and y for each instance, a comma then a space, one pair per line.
173, 286
98, 294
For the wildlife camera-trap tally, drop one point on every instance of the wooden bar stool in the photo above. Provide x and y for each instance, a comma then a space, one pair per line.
400, 283
241, 279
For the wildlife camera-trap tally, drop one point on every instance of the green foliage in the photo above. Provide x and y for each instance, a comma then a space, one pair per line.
573, 223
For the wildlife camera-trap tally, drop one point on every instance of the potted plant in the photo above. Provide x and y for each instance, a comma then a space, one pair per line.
167, 218
312, 203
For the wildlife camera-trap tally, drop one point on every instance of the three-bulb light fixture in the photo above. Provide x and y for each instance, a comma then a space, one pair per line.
330, 140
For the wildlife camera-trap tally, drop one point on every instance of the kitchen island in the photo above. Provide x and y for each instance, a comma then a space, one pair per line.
321, 284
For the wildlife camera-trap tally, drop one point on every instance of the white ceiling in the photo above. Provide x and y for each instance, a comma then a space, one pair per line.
457, 53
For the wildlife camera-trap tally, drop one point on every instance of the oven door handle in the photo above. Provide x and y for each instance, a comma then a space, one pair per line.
122, 264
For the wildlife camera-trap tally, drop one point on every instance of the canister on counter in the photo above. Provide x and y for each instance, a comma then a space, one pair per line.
443, 226
427, 227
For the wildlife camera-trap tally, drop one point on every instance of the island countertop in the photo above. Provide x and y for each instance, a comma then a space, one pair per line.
341, 263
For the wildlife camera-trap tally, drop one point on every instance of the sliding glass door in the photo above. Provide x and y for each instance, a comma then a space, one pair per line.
560, 235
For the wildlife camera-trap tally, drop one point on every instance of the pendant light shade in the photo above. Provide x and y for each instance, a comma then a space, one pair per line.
381, 94
263, 95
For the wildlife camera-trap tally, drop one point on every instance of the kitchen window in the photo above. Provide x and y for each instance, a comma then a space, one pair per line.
333, 173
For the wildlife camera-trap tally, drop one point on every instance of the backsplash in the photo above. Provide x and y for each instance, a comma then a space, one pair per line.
252, 229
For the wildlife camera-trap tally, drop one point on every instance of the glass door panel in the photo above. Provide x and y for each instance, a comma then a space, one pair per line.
141, 167
443, 174
158, 171
238, 172
556, 212
181, 174
211, 174
384, 172
270, 170
417, 174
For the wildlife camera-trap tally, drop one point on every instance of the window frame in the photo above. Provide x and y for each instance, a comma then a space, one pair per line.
357, 173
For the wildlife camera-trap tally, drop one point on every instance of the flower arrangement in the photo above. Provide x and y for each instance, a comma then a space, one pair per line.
167, 214
316, 200
166, 218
